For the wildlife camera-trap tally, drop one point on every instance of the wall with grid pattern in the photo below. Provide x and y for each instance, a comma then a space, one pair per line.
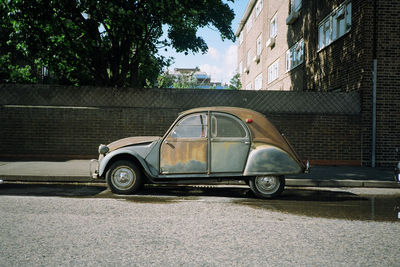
44, 121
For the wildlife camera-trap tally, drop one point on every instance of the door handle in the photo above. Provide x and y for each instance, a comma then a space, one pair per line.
167, 143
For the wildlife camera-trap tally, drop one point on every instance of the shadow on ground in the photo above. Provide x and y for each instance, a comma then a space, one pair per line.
100, 190
305, 202
51, 190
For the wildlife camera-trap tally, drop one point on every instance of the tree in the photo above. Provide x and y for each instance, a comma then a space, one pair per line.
235, 83
13, 65
165, 80
108, 42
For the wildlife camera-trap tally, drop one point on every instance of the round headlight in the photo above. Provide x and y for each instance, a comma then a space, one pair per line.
103, 149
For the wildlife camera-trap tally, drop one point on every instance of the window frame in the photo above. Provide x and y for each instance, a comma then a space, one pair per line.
292, 53
172, 134
248, 60
293, 7
273, 69
249, 23
214, 135
329, 27
273, 27
259, 7
259, 45
258, 82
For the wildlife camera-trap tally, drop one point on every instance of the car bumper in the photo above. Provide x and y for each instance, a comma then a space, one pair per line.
307, 167
94, 169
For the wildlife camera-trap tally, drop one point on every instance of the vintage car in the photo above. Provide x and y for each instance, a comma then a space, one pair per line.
203, 145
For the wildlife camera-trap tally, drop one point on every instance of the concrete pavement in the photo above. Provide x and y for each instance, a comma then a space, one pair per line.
320, 176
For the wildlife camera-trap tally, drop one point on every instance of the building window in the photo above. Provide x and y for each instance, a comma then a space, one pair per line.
273, 71
335, 25
240, 67
248, 58
295, 55
240, 37
259, 7
249, 23
295, 5
273, 27
258, 82
248, 86
259, 46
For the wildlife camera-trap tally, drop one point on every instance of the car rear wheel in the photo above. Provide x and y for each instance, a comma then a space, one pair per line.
124, 177
267, 186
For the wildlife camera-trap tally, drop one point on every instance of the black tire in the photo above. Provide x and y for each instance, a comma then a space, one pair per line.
269, 186
124, 177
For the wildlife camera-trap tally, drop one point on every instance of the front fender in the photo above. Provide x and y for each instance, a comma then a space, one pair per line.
120, 152
266, 159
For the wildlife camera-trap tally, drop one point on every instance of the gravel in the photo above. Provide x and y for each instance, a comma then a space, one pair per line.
182, 231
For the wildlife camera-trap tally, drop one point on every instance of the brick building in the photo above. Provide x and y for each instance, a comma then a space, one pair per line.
330, 46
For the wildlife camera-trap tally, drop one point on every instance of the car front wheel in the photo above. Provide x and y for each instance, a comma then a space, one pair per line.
124, 177
268, 186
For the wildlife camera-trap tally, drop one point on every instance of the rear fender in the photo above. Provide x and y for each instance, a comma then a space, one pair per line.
267, 159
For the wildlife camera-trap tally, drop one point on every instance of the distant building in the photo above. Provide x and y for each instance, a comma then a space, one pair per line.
196, 78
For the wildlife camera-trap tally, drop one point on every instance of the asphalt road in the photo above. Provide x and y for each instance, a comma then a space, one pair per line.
75, 225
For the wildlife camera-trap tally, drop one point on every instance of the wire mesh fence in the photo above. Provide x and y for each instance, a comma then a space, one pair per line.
287, 102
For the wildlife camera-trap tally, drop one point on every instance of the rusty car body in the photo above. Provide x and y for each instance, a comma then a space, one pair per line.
203, 145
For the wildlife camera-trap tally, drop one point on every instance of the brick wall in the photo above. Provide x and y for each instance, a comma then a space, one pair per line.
388, 82
323, 139
70, 132
70, 122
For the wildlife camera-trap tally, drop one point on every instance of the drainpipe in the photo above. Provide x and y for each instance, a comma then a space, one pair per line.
374, 114
374, 82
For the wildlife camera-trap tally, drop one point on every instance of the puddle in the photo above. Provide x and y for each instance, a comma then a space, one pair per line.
306, 202
330, 204
139, 198
156, 194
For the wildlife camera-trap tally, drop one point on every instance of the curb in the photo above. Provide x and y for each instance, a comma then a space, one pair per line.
341, 183
49, 178
289, 181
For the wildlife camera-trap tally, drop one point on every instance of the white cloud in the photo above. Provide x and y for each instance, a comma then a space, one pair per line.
230, 62
224, 71
213, 53
213, 70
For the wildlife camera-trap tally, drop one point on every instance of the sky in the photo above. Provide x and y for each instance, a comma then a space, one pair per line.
220, 60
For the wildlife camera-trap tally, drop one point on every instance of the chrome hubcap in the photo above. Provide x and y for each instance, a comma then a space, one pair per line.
267, 184
123, 177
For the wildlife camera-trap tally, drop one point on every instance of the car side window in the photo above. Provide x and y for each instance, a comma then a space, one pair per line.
194, 126
226, 126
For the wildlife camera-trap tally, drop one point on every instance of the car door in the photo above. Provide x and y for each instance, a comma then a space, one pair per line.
230, 143
185, 148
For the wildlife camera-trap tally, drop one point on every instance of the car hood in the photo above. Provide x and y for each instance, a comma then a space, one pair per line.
132, 141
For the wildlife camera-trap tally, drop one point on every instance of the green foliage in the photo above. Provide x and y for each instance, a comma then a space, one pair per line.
10, 69
165, 80
235, 83
182, 81
106, 43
